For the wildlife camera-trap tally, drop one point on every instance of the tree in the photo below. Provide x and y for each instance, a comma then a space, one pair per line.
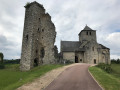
118, 61
1, 57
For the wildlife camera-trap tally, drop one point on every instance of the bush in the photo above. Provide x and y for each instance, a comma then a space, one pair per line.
2, 66
27, 5
105, 67
68, 61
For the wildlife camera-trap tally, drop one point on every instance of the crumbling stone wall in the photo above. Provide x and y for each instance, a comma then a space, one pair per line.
38, 37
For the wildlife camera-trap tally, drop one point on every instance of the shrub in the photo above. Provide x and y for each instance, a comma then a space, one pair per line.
27, 5
2, 66
1, 56
68, 61
105, 67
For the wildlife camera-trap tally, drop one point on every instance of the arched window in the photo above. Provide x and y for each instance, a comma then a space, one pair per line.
90, 33
27, 37
39, 19
42, 30
38, 30
93, 48
86, 33
42, 52
36, 51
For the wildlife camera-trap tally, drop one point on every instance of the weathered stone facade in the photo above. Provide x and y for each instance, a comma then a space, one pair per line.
38, 37
86, 50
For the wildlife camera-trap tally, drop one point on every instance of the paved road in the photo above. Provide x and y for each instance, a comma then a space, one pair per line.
74, 78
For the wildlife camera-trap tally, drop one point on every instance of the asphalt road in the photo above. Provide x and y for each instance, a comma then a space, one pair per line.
74, 78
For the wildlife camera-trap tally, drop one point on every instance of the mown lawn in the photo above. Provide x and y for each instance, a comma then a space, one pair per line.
11, 77
107, 81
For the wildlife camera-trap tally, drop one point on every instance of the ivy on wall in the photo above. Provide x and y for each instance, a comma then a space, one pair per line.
27, 5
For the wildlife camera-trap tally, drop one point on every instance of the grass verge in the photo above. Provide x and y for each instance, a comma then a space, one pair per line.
106, 80
11, 78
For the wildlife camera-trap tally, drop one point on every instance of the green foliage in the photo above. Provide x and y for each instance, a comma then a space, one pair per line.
11, 78
105, 67
107, 80
115, 61
13, 61
2, 66
2, 56
27, 5
68, 62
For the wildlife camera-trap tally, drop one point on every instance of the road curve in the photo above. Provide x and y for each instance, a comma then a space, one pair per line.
74, 78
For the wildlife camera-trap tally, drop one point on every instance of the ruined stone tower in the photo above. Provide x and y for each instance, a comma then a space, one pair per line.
38, 37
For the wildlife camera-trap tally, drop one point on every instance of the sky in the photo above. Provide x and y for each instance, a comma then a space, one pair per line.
69, 17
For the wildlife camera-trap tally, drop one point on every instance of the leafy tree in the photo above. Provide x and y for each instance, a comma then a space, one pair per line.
1, 56
118, 61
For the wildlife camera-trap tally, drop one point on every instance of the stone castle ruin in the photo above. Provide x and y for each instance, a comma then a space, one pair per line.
38, 37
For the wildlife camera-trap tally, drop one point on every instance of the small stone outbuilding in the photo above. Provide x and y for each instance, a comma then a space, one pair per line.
86, 50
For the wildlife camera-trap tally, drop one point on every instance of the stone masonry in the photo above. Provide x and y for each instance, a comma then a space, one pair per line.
38, 37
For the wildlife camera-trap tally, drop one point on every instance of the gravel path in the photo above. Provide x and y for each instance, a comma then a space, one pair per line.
45, 80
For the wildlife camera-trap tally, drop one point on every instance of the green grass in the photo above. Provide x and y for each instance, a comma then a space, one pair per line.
11, 77
116, 70
107, 81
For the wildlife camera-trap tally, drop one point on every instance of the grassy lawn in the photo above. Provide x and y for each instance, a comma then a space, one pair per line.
106, 80
116, 70
11, 77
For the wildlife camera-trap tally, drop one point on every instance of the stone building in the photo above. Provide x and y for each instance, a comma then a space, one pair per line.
86, 50
38, 37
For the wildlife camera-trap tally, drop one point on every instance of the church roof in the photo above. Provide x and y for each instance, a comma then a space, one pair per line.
71, 46
87, 28
103, 47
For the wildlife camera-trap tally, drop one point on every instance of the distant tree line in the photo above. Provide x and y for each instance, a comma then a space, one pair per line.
13, 61
115, 61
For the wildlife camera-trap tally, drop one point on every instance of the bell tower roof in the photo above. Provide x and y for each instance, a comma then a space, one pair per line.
87, 28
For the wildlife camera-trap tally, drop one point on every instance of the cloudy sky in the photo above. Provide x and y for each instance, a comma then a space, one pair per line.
69, 17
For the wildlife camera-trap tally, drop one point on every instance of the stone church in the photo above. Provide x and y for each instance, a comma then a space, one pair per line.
86, 50
38, 37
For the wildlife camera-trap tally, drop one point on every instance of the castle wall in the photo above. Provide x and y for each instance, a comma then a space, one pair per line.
38, 38
69, 56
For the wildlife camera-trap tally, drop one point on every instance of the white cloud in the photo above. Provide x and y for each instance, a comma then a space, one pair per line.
115, 56
69, 17
113, 39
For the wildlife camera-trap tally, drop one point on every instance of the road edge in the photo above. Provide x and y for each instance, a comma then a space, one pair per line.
94, 78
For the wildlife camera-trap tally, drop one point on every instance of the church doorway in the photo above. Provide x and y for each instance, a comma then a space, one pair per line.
94, 61
76, 59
